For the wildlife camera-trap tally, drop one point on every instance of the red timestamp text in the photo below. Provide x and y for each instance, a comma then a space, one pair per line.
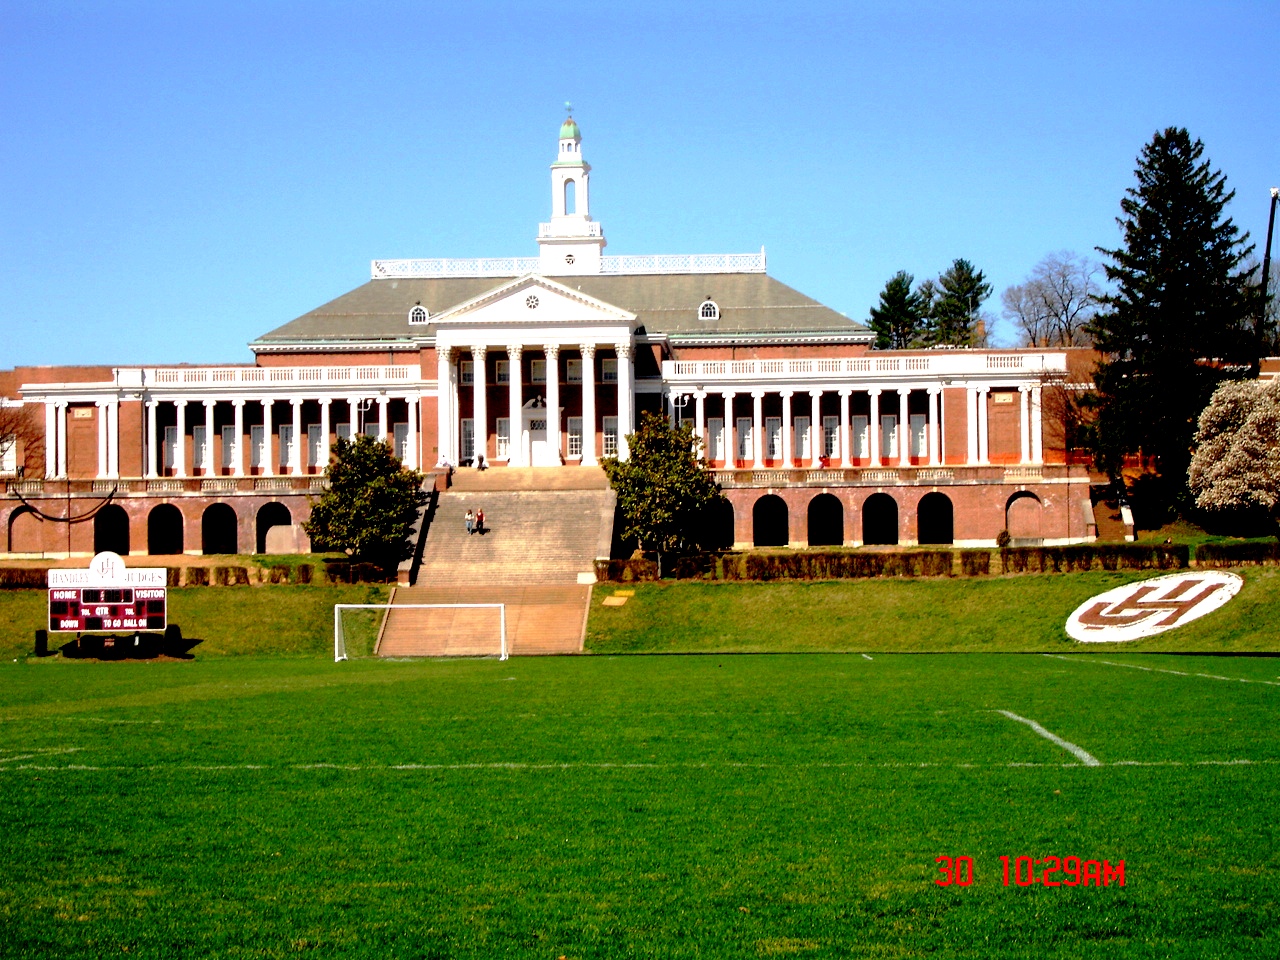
1029, 871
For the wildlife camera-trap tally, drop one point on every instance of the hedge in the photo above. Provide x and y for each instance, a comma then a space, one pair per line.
1237, 554
1091, 556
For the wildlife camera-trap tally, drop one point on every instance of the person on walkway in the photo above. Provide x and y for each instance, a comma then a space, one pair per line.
470, 517
480, 522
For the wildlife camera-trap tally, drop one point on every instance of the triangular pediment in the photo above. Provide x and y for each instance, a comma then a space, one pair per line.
533, 300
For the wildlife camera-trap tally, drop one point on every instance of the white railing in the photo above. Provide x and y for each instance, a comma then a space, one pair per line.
593, 230
948, 364
233, 376
516, 266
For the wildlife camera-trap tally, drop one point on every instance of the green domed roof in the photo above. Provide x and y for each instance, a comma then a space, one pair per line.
569, 130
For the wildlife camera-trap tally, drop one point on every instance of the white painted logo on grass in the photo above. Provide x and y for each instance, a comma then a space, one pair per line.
1148, 607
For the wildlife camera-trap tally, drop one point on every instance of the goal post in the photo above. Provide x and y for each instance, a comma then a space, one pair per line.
443, 630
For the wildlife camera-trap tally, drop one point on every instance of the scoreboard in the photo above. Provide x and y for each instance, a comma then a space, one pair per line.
82, 609
107, 596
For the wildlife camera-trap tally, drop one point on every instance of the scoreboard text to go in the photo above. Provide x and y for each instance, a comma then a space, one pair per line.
106, 608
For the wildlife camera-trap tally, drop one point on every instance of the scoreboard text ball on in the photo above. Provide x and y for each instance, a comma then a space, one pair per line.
107, 596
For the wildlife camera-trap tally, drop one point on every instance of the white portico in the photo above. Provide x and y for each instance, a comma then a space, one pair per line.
534, 373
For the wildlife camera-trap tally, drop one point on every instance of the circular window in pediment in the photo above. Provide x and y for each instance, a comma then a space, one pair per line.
531, 301
569, 259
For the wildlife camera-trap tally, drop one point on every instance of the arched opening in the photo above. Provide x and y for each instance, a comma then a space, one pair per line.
769, 522
880, 519
164, 530
111, 530
271, 515
935, 519
1022, 516
570, 197
24, 531
717, 525
826, 521
218, 529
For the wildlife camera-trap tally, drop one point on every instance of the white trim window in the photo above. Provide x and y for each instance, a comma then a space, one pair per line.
610, 436
537, 371
862, 437
199, 449
715, 438
918, 434
608, 371
9, 454
773, 437
710, 310
468, 438
502, 371
502, 428
888, 436
228, 446
286, 443
313, 446
170, 448
575, 436
573, 371
343, 431
400, 441
802, 438
831, 436
257, 445
466, 372
745, 449
419, 314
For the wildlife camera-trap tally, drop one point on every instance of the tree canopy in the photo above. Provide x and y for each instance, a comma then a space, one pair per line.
370, 504
1178, 321
1236, 464
898, 321
1054, 306
665, 488
955, 315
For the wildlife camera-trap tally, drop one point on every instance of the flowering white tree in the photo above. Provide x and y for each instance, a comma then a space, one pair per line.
1236, 464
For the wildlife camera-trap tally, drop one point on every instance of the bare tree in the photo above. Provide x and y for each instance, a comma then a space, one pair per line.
1053, 306
21, 437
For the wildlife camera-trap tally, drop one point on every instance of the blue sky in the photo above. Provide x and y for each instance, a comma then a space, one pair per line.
180, 178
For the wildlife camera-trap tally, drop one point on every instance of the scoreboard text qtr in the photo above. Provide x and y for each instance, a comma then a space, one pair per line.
107, 596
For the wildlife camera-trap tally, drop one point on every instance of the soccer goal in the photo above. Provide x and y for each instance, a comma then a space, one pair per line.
419, 630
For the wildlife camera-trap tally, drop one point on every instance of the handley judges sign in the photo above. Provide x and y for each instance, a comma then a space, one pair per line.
107, 596
1148, 607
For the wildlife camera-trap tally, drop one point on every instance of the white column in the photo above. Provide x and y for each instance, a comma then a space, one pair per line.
323, 453
904, 434
211, 449
934, 446
382, 419
625, 416
237, 440
152, 448
51, 440
815, 429
971, 419
267, 454
700, 418
787, 459
757, 428
844, 428
102, 437
180, 448
444, 416
295, 449
1037, 427
411, 441
873, 428
62, 438
353, 419
730, 432
984, 453
588, 404
515, 397
553, 398
1024, 423
113, 438
480, 401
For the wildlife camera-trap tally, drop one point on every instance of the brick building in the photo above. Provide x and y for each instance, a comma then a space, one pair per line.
546, 361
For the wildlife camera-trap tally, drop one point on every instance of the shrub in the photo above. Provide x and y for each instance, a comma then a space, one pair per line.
196, 576
15, 578
975, 563
231, 576
302, 573
1237, 554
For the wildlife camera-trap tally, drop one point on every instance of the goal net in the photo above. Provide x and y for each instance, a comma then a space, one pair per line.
419, 630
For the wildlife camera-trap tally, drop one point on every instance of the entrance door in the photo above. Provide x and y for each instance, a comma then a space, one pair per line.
541, 454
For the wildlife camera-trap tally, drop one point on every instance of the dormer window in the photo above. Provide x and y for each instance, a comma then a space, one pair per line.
709, 310
419, 314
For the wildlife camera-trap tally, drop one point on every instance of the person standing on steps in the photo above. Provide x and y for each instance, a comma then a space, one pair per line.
471, 521
480, 522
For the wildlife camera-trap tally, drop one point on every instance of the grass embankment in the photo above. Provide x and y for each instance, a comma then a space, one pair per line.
596, 807
228, 621
955, 615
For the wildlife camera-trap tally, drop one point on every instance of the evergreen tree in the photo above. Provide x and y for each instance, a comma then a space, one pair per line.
898, 321
1178, 322
370, 504
955, 317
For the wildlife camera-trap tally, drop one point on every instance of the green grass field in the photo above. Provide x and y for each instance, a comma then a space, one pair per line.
705, 806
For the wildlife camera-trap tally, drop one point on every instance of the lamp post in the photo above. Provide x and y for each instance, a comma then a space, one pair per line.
1266, 261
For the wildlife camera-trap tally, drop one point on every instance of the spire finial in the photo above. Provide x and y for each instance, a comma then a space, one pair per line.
568, 107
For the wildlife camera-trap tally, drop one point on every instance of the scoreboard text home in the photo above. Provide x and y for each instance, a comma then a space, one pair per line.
107, 596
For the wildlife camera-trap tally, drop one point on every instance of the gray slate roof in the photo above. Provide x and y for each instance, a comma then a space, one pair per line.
751, 305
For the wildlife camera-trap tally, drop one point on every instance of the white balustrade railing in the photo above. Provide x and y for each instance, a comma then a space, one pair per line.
234, 376
434, 268
944, 364
593, 230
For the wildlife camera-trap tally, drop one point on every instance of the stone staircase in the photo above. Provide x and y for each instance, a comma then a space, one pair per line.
544, 529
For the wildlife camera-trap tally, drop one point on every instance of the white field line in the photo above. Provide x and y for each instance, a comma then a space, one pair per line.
1088, 759
538, 767
1176, 673
38, 751
866, 657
